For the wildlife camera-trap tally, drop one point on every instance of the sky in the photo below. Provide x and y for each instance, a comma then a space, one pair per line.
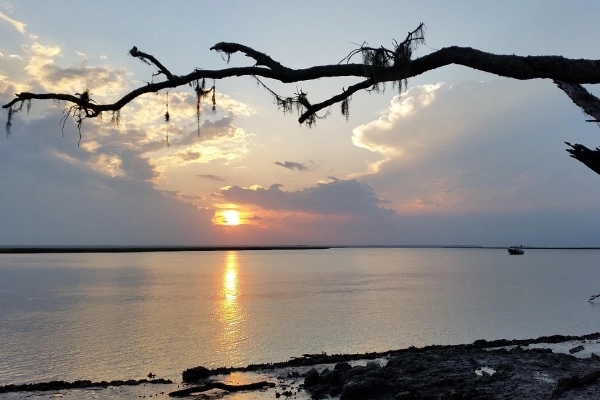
460, 157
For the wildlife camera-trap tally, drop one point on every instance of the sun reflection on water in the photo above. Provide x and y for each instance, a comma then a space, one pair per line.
232, 337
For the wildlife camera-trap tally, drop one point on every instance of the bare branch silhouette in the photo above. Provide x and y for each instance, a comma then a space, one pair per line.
379, 66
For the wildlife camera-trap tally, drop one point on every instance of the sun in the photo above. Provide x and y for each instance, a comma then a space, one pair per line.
232, 217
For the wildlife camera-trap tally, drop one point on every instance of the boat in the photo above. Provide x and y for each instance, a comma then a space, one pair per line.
516, 250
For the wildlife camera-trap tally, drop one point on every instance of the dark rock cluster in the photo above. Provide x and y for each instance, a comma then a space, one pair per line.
461, 373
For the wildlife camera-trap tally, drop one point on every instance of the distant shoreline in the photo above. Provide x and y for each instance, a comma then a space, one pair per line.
144, 249
156, 249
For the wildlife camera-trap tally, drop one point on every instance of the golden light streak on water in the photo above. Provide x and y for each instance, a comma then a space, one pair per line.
232, 337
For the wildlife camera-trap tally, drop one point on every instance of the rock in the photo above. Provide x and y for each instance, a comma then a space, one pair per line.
342, 367
319, 392
372, 368
576, 349
312, 378
195, 374
362, 388
328, 377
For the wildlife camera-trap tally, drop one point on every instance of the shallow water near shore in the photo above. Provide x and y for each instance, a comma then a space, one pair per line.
121, 316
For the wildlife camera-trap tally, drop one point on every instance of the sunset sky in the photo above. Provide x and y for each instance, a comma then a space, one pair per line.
459, 158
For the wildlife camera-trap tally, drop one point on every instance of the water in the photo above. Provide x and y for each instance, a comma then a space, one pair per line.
120, 316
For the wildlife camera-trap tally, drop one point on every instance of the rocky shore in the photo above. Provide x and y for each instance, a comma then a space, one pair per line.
462, 373
500, 369
81, 384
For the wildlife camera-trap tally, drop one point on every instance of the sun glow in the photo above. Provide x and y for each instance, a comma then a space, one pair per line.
232, 217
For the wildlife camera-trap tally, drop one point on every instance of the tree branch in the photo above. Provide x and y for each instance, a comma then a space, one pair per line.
144, 57
570, 71
589, 103
511, 66
261, 58
591, 158
313, 109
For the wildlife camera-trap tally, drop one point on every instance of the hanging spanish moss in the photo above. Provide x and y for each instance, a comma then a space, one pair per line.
9, 121
214, 99
167, 118
12, 111
78, 114
202, 93
345, 108
299, 102
116, 117
381, 58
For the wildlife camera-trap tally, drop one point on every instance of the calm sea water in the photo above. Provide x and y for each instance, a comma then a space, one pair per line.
116, 316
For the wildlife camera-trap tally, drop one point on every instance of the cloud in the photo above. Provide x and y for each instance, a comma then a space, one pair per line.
292, 165
182, 109
53, 198
15, 57
340, 212
211, 131
350, 198
211, 177
188, 155
102, 82
19, 26
135, 147
218, 140
1, 55
476, 147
